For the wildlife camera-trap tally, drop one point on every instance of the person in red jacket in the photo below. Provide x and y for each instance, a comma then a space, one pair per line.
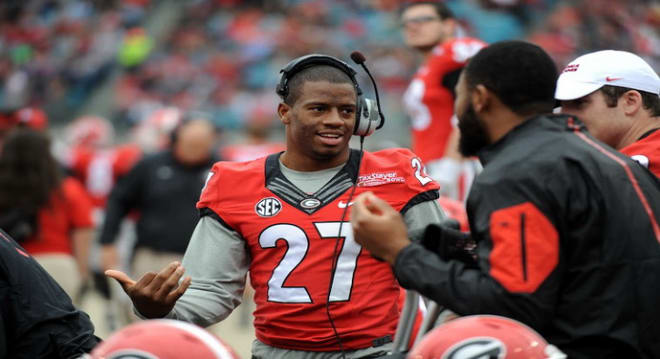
430, 28
50, 215
617, 96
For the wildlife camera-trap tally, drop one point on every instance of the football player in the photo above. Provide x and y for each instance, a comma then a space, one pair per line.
429, 28
284, 219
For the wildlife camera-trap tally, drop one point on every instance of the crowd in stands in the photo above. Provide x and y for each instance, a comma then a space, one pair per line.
223, 56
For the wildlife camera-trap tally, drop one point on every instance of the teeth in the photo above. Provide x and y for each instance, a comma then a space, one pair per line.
330, 136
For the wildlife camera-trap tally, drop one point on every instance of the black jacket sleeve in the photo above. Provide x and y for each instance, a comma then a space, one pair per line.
37, 318
464, 290
125, 195
469, 289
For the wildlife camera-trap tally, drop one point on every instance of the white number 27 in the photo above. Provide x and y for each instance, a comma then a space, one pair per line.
297, 247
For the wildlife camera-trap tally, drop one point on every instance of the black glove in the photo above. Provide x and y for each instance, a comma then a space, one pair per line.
445, 240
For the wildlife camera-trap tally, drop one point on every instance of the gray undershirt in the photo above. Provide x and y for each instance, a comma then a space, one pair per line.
217, 260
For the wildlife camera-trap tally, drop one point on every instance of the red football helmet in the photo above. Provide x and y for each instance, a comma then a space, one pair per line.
163, 339
484, 337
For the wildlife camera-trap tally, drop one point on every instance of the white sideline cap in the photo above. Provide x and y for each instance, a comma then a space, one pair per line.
592, 71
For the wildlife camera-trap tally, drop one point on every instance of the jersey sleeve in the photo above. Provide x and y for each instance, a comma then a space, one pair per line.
217, 261
211, 190
79, 205
417, 187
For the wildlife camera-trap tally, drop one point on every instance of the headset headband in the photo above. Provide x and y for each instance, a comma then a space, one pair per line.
303, 62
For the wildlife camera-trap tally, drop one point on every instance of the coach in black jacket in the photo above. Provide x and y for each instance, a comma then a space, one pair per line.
566, 228
37, 318
164, 188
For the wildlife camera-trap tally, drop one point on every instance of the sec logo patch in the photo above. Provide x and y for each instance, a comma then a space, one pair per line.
268, 207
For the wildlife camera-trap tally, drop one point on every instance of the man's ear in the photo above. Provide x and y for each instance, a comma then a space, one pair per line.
631, 102
481, 98
283, 111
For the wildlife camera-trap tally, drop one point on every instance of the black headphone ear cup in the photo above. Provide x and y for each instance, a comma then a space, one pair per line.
359, 106
368, 117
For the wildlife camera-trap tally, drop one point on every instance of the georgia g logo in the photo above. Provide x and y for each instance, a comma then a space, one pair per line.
131, 354
268, 207
477, 347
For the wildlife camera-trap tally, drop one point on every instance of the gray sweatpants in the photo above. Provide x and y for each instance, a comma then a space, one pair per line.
264, 351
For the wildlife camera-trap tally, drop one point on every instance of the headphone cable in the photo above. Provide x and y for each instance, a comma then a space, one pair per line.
334, 252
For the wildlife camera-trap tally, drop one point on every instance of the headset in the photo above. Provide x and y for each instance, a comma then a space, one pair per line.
368, 116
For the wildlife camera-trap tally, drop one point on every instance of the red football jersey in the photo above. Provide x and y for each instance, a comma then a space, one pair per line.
429, 103
98, 170
291, 236
646, 151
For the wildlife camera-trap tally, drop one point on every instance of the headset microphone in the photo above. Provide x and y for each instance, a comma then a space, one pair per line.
359, 59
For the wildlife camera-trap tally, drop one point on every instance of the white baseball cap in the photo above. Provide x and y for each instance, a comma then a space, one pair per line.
592, 71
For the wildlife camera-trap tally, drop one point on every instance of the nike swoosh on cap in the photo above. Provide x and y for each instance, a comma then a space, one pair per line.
610, 79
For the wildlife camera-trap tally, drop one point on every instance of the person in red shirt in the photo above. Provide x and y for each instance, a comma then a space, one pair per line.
283, 219
50, 215
429, 28
616, 95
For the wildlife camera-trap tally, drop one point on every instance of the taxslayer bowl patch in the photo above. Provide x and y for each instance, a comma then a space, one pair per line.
379, 179
268, 207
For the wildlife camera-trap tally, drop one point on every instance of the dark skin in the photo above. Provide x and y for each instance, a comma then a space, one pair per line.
154, 294
319, 126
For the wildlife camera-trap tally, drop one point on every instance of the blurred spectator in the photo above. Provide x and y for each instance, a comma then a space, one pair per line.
55, 50
218, 53
49, 215
257, 142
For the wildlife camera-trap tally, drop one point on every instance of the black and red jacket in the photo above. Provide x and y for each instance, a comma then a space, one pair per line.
37, 318
567, 242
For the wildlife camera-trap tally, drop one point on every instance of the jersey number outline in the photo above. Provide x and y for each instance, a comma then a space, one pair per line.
297, 247
420, 171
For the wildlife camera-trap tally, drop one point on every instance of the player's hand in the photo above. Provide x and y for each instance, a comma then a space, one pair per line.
155, 294
378, 227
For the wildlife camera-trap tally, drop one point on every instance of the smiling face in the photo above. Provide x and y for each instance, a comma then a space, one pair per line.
319, 125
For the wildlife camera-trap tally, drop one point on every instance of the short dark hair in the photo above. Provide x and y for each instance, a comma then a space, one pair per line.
650, 101
314, 73
521, 75
440, 8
